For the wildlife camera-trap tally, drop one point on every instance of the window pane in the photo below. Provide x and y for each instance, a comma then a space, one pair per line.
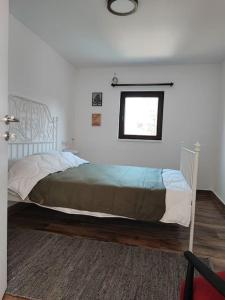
141, 115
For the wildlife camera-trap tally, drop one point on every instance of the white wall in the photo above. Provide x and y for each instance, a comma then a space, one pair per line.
190, 114
220, 175
37, 72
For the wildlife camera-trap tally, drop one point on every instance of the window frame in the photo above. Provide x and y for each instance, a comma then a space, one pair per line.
130, 94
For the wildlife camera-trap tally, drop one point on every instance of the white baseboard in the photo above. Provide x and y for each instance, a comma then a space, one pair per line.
219, 197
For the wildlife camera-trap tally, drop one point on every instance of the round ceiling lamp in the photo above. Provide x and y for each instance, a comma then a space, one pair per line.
122, 7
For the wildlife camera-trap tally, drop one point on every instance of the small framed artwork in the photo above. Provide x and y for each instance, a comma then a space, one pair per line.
96, 99
96, 119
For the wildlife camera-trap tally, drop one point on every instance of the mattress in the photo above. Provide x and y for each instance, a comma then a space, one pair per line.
178, 201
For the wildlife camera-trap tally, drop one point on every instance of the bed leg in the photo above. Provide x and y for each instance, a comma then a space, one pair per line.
192, 227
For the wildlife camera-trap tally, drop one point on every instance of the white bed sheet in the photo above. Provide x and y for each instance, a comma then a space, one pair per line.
178, 198
178, 201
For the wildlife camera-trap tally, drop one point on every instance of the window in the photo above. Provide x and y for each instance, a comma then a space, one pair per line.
141, 115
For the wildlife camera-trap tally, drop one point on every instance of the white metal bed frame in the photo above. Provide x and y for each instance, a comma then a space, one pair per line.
37, 132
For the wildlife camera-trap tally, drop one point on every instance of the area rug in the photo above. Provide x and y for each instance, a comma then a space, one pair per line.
49, 266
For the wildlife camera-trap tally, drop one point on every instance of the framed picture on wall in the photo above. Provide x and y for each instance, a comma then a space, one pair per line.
97, 99
96, 119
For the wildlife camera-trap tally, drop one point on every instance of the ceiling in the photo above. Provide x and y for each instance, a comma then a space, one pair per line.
161, 32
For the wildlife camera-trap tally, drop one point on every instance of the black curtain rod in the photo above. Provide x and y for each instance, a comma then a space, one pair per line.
143, 84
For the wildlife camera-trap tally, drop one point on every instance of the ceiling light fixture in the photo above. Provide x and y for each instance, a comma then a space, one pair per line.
122, 7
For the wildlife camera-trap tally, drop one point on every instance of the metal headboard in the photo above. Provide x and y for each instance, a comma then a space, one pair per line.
37, 130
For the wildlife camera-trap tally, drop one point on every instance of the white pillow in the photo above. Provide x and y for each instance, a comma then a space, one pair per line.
69, 158
72, 159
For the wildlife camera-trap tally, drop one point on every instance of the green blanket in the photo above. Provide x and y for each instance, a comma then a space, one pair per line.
132, 192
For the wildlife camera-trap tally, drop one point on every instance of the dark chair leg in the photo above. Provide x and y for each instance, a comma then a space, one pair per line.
188, 289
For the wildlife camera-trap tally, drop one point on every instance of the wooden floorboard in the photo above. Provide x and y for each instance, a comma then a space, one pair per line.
209, 229
9, 297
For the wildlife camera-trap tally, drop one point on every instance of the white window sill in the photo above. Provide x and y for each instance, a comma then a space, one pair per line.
137, 140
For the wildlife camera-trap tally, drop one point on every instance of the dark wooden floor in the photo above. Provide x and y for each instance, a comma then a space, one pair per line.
209, 229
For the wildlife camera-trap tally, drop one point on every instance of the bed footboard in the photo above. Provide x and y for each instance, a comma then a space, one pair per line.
189, 168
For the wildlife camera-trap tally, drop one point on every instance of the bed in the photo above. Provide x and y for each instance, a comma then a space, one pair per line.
62, 181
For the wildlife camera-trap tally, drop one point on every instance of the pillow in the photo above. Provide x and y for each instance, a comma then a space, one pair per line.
68, 157
72, 159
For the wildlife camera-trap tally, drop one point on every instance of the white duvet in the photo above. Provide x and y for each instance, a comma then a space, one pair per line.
27, 172
178, 198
